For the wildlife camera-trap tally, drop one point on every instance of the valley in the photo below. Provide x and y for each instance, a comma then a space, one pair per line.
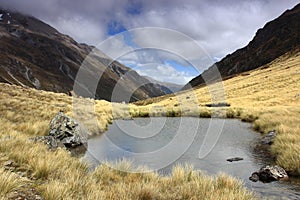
38, 69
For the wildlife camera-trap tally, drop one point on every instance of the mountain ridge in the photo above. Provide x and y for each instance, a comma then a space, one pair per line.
34, 54
273, 40
166, 86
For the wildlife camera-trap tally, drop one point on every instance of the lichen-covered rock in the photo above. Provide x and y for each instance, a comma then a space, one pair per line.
49, 140
64, 132
269, 174
67, 131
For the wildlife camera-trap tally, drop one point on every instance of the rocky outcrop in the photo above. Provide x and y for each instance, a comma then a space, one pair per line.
65, 132
268, 174
269, 138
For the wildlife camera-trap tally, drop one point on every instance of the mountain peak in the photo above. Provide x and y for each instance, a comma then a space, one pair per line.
34, 54
273, 40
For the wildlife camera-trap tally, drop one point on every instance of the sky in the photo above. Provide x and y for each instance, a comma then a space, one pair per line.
167, 53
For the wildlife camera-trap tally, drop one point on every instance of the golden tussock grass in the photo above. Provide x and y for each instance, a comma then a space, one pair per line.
269, 97
9, 182
26, 113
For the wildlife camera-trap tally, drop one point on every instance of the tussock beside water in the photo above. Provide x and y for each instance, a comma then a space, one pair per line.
268, 97
56, 175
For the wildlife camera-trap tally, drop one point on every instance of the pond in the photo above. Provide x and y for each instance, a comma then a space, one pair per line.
162, 143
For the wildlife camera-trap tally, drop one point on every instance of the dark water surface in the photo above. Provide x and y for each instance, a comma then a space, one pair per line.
162, 143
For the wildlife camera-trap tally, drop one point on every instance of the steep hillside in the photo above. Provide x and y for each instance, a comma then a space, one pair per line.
36, 55
273, 40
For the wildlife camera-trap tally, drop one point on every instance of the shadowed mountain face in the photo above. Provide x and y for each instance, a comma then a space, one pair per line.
33, 54
273, 40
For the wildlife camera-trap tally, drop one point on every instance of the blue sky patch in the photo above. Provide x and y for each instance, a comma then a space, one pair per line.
115, 27
183, 68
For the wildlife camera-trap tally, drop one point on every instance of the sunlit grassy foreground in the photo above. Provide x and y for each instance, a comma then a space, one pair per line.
269, 97
56, 174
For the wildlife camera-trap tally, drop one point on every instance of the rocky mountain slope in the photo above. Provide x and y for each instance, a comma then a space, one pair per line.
167, 87
34, 54
273, 40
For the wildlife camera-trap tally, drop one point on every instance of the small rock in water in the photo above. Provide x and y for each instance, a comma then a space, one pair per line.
254, 177
235, 159
268, 174
269, 138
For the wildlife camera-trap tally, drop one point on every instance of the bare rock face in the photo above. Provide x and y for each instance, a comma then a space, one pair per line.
64, 132
268, 174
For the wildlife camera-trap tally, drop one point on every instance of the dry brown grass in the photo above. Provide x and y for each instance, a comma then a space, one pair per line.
9, 182
56, 175
269, 97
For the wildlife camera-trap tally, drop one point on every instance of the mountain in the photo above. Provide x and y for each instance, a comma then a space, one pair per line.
167, 87
273, 40
34, 54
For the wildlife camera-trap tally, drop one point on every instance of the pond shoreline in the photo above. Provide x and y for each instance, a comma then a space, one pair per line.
260, 156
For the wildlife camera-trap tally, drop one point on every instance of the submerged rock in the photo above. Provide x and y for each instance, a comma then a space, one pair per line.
64, 132
269, 138
268, 174
235, 159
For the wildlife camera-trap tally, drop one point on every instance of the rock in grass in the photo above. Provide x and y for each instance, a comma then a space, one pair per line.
67, 131
235, 159
50, 141
269, 138
221, 104
268, 174
64, 132
8, 163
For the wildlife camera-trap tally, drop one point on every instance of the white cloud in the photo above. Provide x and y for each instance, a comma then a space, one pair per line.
80, 28
164, 73
218, 27
231, 23
115, 47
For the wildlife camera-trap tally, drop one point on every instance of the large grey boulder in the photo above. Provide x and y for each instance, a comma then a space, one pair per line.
50, 141
269, 174
65, 132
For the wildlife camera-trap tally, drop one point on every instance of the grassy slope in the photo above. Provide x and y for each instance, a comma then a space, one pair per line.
268, 96
56, 175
